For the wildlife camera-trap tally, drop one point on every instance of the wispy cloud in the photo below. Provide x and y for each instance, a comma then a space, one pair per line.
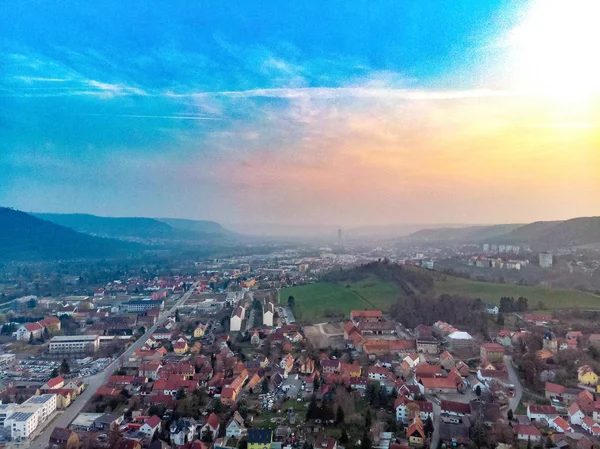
170, 117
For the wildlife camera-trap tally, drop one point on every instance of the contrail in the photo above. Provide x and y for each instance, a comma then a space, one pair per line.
174, 117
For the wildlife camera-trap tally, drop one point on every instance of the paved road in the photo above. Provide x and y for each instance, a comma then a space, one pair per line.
95, 382
514, 379
437, 412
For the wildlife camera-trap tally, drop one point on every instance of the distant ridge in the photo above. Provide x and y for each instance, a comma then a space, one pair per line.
199, 226
541, 235
25, 237
140, 229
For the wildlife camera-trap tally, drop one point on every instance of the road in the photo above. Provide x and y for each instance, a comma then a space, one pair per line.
437, 413
95, 382
514, 379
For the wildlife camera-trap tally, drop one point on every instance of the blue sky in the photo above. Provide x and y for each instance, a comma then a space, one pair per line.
232, 111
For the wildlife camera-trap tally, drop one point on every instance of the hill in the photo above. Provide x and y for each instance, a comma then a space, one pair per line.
557, 234
541, 235
147, 230
379, 285
23, 237
198, 226
470, 233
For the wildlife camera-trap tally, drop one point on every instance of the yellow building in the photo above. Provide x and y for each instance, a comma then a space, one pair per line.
586, 375
180, 347
415, 432
199, 331
260, 438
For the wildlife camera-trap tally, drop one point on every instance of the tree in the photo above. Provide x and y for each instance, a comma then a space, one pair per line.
265, 385
177, 318
478, 390
500, 319
30, 338
428, 426
365, 442
368, 419
207, 435
180, 394
312, 408
344, 437
243, 444
64, 367
339, 416
292, 302
478, 432
510, 415
114, 436
32, 303
54, 373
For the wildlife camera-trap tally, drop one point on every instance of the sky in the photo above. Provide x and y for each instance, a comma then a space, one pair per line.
348, 113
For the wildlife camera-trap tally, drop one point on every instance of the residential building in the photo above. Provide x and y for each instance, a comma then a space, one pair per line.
144, 305
528, 432
404, 406
235, 427
268, 313
151, 426
415, 432
260, 438
545, 260
210, 429
63, 438
182, 430
235, 322
428, 345
587, 376
491, 352
74, 344
20, 425
539, 412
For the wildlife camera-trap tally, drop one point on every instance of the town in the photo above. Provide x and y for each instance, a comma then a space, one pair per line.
221, 359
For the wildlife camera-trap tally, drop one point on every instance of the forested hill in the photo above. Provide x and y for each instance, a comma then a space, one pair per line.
141, 229
541, 235
25, 237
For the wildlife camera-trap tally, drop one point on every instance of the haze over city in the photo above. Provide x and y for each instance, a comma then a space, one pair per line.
308, 114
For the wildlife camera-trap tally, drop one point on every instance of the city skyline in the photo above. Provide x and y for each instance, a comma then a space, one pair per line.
340, 114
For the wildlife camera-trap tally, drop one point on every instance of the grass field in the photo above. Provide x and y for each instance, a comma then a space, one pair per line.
326, 299
552, 298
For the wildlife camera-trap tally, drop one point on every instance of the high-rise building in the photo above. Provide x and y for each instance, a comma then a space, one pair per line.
545, 260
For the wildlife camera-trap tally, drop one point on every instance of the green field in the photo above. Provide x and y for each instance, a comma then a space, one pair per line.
552, 298
326, 299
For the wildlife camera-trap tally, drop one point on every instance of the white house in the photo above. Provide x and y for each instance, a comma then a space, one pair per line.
402, 409
151, 426
211, 427
412, 360
538, 412
235, 322
575, 414
182, 430
559, 425
528, 433
268, 313
235, 427
492, 309
590, 426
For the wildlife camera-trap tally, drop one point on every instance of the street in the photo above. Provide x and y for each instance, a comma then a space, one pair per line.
95, 382
514, 379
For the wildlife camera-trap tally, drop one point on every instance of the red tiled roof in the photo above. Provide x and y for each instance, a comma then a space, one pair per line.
55, 381
554, 388
543, 409
153, 421
455, 407
366, 314
527, 430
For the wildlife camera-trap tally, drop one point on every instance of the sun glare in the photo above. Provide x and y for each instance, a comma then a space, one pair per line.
555, 49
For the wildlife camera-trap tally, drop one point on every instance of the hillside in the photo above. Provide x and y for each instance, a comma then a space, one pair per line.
557, 234
136, 228
380, 285
541, 235
198, 226
25, 237
471, 233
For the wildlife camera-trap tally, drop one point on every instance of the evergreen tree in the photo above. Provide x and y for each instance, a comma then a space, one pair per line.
365, 442
339, 416
478, 390
344, 437
428, 426
510, 415
368, 419
64, 367
312, 408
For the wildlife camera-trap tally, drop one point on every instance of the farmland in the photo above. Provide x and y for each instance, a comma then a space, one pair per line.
551, 298
328, 300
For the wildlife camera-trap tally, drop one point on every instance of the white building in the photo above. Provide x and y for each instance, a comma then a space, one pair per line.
46, 404
74, 343
268, 312
235, 427
235, 322
546, 260
20, 425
